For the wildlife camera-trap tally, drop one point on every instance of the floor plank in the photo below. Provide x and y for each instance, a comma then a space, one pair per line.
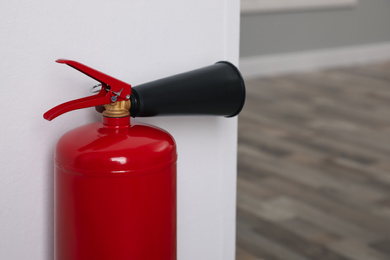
314, 167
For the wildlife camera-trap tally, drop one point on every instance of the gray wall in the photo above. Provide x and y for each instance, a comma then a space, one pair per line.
272, 33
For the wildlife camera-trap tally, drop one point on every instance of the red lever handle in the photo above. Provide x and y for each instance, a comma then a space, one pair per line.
112, 90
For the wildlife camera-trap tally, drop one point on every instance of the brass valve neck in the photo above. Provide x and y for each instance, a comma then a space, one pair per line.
117, 109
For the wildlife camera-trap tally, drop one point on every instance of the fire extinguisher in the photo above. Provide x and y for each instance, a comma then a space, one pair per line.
115, 181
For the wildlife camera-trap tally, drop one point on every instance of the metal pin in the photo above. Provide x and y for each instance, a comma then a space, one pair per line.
118, 93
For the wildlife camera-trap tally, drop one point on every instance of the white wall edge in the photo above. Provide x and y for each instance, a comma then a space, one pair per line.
261, 6
268, 65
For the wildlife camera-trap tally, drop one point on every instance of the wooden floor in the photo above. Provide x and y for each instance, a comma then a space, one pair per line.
314, 166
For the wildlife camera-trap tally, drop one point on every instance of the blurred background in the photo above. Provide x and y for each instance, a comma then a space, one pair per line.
314, 135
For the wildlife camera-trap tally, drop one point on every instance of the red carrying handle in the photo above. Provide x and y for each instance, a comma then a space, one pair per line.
112, 90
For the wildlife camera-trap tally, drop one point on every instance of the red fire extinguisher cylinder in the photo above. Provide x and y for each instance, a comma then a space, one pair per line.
116, 192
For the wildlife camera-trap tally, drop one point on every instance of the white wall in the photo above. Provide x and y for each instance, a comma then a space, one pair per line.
287, 32
136, 41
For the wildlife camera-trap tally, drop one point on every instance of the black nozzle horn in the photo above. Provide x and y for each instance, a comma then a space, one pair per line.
218, 89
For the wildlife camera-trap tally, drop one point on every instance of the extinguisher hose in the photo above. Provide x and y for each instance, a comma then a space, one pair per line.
218, 89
